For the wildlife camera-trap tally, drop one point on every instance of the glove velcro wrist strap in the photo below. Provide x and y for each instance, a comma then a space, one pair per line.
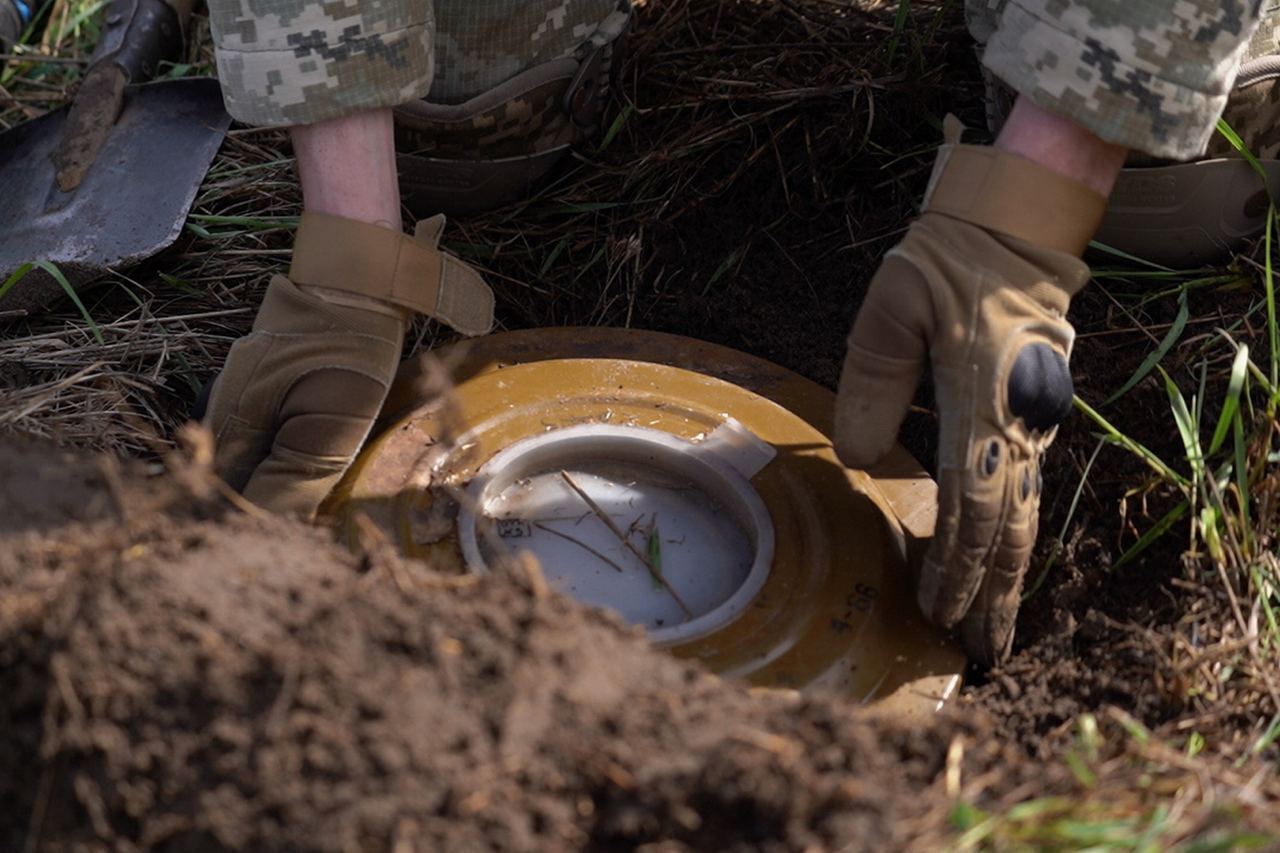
379, 263
1011, 195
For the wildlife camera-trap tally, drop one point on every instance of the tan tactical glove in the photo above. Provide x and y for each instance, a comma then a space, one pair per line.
299, 394
980, 285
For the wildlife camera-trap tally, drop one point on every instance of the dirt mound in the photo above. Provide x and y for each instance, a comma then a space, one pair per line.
176, 673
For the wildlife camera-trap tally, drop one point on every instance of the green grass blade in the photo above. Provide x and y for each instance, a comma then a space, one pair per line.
966, 816
21, 273
84, 13
591, 262
61, 279
1033, 809
975, 835
16, 276
1242, 479
1085, 777
1187, 428
1134, 259
1197, 402
1268, 737
1272, 336
1133, 727
1261, 379
1147, 539
178, 284
28, 33
1148, 364
1157, 826
1237, 143
1231, 404
615, 128
899, 27
727, 264
553, 255
1265, 590
1209, 518
655, 556
1137, 449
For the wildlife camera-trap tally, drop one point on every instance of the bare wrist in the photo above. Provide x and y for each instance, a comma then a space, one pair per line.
1062, 146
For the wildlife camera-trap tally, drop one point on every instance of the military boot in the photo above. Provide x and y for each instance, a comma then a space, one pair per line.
14, 17
460, 152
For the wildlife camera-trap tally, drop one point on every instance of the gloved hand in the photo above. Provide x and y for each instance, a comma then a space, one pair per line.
299, 395
980, 285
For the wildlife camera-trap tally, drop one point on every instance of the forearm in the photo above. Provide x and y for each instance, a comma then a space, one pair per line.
347, 167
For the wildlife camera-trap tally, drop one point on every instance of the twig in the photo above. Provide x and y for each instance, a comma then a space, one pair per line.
41, 59
236, 499
30, 111
583, 545
622, 537
35, 827
284, 698
109, 467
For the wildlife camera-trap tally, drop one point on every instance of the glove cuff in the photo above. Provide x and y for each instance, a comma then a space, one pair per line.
344, 255
1010, 195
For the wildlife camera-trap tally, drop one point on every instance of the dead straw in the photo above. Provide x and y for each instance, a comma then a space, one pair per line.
583, 545
626, 541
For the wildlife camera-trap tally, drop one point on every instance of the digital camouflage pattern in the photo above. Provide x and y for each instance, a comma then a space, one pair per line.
1152, 75
1253, 108
481, 43
285, 62
513, 124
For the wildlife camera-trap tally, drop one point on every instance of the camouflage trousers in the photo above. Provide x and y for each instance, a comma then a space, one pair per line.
286, 62
1152, 75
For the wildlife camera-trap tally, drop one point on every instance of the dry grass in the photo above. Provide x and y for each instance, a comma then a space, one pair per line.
1115, 785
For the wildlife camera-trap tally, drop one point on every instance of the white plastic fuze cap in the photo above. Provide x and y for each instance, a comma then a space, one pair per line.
667, 533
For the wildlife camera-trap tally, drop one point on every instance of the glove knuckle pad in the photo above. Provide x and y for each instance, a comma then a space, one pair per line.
1039, 387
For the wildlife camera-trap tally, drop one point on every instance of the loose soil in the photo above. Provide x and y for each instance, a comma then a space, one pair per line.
178, 674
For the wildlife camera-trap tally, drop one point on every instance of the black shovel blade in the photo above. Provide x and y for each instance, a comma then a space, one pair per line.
133, 200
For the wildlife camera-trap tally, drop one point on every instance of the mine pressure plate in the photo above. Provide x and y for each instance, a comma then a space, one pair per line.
690, 488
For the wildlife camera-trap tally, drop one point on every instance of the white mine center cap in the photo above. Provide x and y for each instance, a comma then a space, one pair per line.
668, 533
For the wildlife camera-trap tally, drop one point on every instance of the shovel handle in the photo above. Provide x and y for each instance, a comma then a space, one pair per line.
138, 35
